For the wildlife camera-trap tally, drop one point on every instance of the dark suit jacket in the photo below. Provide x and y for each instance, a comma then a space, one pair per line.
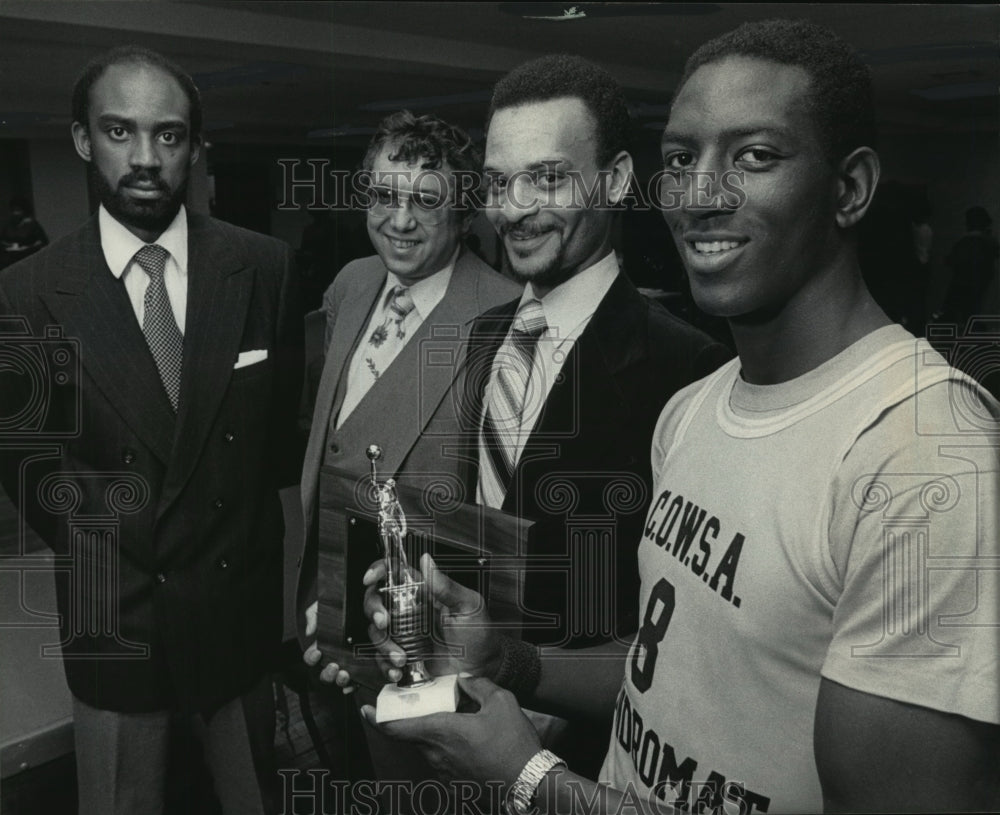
410, 412
584, 476
192, 547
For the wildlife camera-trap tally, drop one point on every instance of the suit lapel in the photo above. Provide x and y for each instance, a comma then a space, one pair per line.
583, 409
352, 317
487, 336
619, 325
219, 291
413, 380
93, 306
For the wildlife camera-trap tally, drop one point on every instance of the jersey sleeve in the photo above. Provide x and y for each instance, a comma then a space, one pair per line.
676, 414
913, 539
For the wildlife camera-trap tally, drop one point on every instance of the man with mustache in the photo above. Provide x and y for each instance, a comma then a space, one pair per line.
564, 384
176, 349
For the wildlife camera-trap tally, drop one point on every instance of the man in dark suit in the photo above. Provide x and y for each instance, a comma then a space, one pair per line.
185, 356
593, 361
605, 359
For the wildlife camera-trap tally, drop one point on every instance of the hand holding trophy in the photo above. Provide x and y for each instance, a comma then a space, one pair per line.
417, 693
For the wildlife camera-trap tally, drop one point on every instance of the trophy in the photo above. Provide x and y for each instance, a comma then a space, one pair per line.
417, 693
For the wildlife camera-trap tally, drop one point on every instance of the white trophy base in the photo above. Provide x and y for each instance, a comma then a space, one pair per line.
437, 696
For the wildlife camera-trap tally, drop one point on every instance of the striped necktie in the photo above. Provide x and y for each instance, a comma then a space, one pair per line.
498, 439
158, 324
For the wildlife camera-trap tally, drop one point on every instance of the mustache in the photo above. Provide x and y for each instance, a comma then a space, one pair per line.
522, 229
143, 177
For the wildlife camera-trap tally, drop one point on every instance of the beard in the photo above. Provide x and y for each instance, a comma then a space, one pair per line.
548, 276
148, 215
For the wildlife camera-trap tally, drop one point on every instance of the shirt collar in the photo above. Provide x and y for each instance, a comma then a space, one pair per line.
574, 301
119, 245
426, 293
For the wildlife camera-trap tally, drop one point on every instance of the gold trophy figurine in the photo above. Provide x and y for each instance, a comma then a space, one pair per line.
417, 693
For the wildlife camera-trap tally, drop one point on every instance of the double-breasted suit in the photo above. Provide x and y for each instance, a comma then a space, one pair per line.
411, 411
191, 499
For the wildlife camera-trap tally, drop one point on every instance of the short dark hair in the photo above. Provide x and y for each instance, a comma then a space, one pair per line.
134, 54
841, 89
429, 141
563, 75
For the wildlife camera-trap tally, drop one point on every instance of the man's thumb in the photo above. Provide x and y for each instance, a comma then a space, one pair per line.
477, 688
454, 596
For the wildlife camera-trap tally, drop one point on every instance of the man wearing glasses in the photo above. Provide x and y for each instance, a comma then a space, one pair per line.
421, 196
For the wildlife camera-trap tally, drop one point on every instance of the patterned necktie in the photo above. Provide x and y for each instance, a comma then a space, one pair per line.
400, 304
498, 440
158, 324
378, 352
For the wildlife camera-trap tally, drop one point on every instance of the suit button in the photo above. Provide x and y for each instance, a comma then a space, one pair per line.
334, 448
161, 578
218, 503
223, 563
229, 436
128, 456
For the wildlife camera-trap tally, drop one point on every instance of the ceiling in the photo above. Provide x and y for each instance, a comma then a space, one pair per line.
323, 73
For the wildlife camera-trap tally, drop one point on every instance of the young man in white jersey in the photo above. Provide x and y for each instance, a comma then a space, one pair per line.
819, 563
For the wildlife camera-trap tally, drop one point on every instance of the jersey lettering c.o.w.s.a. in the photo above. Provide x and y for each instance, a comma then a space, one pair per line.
840, 525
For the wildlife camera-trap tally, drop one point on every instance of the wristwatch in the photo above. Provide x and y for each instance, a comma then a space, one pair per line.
521, 795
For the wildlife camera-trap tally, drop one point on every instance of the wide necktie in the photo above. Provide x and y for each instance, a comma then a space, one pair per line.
505, 403
158, 324
400, 304
379, 350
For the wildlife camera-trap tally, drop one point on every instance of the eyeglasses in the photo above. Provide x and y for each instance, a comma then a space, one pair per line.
424, 205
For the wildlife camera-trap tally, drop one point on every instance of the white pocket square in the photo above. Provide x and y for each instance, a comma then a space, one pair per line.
249, 358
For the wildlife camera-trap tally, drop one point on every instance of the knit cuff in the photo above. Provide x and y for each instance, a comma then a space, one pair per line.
520, 668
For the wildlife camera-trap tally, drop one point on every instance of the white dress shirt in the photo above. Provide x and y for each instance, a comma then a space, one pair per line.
119, 247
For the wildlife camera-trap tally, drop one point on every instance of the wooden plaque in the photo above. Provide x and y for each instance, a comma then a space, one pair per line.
481, 548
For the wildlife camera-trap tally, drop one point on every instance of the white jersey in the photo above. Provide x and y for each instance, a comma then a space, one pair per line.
843, 525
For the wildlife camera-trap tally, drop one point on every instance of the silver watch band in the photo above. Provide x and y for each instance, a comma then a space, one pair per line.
521, 794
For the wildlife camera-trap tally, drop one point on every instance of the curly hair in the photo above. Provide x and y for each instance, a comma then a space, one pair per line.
563, 75
430, 142
134, 54
840, 98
